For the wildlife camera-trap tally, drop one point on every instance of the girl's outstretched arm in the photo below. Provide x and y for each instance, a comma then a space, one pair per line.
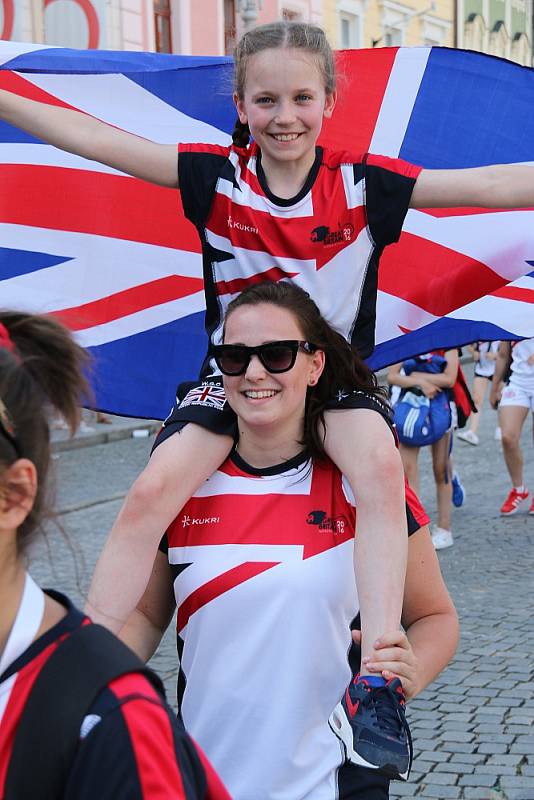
361, 445
498, 186
175, 471
91, 138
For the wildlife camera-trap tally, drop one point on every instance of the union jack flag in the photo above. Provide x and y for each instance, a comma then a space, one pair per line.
115, 259
205, 395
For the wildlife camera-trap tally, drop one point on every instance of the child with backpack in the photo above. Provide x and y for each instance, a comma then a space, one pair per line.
424, 416
80, 715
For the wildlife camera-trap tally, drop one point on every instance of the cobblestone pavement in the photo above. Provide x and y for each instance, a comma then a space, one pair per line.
473, 728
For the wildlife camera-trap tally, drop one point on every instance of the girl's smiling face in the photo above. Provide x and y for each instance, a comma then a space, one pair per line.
284, 104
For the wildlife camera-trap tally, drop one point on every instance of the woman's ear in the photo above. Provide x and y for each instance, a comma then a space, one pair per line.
317, 366
17, 493
240, 108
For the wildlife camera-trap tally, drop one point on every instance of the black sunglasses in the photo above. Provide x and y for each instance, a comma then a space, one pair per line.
233, 359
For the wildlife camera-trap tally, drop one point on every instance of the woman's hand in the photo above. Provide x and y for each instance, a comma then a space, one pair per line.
394, 658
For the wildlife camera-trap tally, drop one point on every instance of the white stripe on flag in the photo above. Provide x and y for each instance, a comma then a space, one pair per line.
11, 50
138, 111
399, 98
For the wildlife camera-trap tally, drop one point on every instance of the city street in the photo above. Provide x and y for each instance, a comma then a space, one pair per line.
473, 728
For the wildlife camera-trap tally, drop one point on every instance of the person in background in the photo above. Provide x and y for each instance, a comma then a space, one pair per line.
514, 402
485, 356
431, 384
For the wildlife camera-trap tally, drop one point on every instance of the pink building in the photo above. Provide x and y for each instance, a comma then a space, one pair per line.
191, 27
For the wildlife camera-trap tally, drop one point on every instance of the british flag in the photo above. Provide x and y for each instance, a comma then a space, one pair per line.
115, 259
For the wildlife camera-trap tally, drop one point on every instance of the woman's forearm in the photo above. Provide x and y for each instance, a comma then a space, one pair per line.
141, 635
434, 640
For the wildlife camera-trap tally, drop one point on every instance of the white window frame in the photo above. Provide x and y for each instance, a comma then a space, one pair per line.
354, 12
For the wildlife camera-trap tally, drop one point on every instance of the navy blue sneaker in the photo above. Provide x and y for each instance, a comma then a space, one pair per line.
370, 722
458, 491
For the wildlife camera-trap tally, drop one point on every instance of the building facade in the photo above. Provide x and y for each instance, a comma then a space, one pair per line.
389, 23
210, 27
500, 27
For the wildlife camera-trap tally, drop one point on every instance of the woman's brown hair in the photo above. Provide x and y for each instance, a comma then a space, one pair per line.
344, 370
41, 367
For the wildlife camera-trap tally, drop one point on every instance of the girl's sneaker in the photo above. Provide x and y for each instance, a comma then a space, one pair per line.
370, 722
531, 509
441, 538
513, 502
468, 436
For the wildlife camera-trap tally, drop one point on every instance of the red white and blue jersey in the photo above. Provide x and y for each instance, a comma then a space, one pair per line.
262, 565
328, 239
131, 747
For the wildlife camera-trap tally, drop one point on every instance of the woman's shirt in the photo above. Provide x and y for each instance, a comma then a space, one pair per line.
485, 367
262, 564
328, 238
131, 746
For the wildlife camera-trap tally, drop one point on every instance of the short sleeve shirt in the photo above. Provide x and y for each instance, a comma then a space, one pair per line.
327, 239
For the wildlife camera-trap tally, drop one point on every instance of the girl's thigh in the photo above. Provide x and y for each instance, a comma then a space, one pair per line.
511, 420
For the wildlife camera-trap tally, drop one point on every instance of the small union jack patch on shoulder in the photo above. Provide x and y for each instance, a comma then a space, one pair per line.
205, 395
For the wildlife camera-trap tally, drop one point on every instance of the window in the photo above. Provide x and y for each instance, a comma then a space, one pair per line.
229, 27
349, 30
393, 37
290, 16
162, 24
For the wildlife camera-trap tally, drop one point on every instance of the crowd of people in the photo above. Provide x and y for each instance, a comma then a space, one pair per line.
301, 632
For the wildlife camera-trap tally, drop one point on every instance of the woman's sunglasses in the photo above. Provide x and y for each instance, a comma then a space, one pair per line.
233, 359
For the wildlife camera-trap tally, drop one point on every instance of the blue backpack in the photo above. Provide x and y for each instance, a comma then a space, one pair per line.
419, 420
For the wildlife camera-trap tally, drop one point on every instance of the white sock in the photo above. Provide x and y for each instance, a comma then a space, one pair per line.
519, 489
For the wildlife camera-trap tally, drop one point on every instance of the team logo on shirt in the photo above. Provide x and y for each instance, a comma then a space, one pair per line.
343, 233
325, 523
205, 395
241, 226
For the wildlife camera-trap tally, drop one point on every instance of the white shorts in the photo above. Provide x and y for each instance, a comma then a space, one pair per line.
514, 395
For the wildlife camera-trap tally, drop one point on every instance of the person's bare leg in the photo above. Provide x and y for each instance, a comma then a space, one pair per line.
511, 420
360, 443
409, 456
178, 466
479, 392
443, 479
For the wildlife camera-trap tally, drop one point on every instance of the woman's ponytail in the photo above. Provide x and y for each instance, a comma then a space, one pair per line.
41, 367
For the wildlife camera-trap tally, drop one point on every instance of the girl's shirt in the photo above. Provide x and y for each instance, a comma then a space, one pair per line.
485, 367
328, 239
262, 564
131, 747
522, 372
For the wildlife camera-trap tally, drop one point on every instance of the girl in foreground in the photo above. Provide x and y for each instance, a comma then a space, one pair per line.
280, 208
259, 565
40, 365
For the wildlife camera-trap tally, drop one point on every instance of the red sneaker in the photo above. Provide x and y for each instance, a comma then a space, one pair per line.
531, 509
513, 502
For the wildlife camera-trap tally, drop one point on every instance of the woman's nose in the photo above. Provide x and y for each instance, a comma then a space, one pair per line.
255, 368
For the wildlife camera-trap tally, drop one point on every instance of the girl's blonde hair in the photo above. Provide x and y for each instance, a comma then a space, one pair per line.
298, 35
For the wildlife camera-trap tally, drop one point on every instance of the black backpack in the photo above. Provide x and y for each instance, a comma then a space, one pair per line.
48, 732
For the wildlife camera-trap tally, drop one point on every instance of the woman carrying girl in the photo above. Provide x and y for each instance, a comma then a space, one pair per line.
259, 566
261, 212
112, 756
